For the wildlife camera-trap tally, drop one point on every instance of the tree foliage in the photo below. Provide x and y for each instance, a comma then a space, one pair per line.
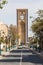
37, 26
2, 3
13, 30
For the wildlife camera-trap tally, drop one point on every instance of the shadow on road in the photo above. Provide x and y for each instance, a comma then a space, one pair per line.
19, 50
10, 60
30, 58
15, 51
12, 56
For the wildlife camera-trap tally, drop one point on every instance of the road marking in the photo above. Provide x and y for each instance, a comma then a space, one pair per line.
21, 58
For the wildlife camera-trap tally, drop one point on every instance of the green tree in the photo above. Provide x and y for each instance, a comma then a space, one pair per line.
6, 41
37, 27
2, 3
1, 41
13, 32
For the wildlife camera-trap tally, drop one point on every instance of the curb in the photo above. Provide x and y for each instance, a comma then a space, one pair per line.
1, 57
5, 53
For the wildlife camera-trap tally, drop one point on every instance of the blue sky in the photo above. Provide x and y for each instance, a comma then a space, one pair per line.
8, 13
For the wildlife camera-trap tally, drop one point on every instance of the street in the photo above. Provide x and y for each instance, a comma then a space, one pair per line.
21, 57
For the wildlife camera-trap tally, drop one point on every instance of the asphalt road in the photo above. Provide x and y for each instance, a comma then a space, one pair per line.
21, 57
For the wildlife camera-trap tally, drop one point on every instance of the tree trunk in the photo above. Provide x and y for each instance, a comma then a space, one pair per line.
0, 48
6, 46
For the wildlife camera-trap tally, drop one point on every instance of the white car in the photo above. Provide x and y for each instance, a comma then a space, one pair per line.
19, 47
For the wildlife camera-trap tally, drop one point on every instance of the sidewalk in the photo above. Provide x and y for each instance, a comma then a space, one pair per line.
4, 53
40, 54
13, 49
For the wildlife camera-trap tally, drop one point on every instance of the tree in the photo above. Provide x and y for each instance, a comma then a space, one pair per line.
13, 32
37, 27
0, 44
6, 41
2, 3
1, 40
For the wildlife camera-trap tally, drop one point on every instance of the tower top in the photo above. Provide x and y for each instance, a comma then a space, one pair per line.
22, 9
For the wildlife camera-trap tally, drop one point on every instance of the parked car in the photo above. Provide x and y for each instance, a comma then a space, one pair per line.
19, 47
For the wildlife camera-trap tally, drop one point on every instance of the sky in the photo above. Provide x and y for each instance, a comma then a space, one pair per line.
8, 13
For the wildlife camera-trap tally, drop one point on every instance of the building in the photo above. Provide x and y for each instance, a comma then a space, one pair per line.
3, 29
22, 26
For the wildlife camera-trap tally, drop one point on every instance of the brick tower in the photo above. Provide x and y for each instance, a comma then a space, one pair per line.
22, 25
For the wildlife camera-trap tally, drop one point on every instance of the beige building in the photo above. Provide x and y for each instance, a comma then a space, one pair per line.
22, 25
3, 29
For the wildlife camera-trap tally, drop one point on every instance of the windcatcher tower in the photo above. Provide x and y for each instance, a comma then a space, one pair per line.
22, 26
